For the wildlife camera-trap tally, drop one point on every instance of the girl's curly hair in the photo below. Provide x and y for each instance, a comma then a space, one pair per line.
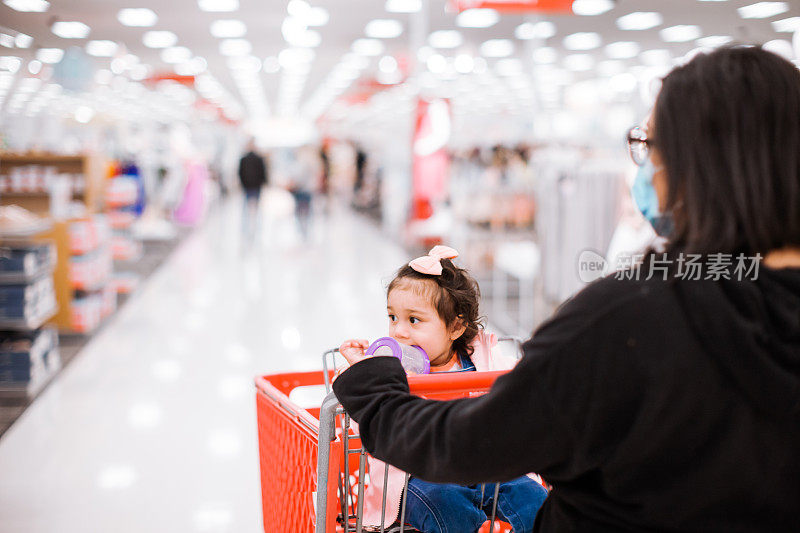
455, 295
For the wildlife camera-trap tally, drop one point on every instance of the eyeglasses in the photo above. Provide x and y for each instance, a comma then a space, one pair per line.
638, 145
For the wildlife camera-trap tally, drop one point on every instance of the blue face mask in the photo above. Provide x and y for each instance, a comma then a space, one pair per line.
646, 199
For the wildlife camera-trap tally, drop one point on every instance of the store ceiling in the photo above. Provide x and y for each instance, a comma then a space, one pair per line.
347, 22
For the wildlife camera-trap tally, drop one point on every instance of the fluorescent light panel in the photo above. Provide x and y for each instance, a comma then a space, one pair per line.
714, 41
228, 28
622, 50
101, 48
159, 39
583, 41
23, 41
383, 29
137, 17
680, 34
791, 24
28, 6
540, 30
445, 39
49, 55
477, 18
70, 29
592, 7
640, 21
762, 10
497, 48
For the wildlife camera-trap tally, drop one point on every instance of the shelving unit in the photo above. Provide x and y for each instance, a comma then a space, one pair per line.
29, 354
33, 194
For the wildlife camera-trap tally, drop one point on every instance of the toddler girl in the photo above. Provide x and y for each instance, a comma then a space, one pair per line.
433, 304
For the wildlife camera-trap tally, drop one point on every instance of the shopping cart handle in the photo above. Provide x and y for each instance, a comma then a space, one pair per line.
443, 385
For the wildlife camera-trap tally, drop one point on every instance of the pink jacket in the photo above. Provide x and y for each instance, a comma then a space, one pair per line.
484, 361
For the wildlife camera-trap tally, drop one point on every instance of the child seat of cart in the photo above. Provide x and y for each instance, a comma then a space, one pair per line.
353, 484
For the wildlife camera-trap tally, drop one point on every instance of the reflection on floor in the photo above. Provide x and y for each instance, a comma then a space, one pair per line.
152, 427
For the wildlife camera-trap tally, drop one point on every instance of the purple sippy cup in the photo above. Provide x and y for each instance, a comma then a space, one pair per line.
413, 358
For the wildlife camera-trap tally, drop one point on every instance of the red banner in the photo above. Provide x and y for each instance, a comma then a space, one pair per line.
516, 6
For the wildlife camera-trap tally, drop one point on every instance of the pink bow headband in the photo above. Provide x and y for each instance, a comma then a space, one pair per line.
432, 263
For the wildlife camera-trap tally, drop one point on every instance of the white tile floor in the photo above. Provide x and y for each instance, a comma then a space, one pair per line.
152, 427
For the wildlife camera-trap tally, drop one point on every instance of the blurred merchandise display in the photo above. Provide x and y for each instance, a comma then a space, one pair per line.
28, 360
16, 221
36, 180
29, 354
124, 204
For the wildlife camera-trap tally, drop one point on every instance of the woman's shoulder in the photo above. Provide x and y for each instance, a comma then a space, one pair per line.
613, 300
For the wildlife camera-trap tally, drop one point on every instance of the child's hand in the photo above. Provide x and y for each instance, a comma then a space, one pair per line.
353, 350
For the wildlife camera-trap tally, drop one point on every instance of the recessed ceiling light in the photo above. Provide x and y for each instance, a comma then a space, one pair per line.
218, 6
383, 29
477, 18
23, 41
445, 39
681, 33
235, 47
592, 7
622, 50
176, 54
226, 29
31, 6
159, 39
762, 10
49, 55
714, 41
367, 47
70, 30
101, 48
497, 48
403, 6
583, 41
137, 17
34, 67
579, 62
640, 21
544, 55
6, 40
540, 30
791, 24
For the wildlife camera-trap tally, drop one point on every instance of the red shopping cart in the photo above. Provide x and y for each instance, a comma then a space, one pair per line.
313, 465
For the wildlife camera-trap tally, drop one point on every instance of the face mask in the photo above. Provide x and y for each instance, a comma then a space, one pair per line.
646, 199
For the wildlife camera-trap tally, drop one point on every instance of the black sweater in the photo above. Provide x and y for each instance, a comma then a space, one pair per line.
648, 405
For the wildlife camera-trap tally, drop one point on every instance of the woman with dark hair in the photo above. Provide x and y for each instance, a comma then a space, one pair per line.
665, 397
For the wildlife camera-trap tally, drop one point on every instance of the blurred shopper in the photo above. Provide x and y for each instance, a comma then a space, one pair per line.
303, 175
662, 398
253, 177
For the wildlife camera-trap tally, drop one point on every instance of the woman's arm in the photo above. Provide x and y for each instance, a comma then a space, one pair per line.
502, 435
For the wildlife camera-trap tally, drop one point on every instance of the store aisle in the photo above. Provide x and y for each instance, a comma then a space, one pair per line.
152, 428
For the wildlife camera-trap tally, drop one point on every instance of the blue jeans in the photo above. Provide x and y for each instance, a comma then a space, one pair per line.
448, 508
